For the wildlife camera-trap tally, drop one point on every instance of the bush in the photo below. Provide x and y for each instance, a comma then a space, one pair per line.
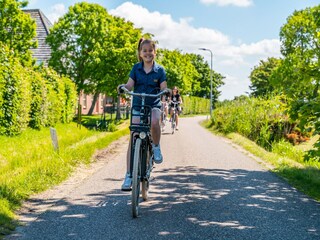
34, 97
195, 105
56, 97
285, 149
62, 97
112, 127
38, 102
261, 120
70, 100
15, 94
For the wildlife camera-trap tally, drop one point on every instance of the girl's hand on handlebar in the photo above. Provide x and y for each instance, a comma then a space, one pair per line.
120, 88
165, 90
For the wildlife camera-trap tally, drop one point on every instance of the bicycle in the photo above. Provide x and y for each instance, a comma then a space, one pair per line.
141, 149
163, 116
174, 115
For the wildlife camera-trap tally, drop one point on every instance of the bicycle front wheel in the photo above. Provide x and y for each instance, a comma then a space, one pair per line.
173, 123
163, 122
136, 173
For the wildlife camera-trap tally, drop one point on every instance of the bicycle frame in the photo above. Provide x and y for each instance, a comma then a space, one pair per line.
142, 127
141, 159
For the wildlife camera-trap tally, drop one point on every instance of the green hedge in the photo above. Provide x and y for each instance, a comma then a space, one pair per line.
62, 96
38, 102
261, 120
195, 105
15, 94
34, 97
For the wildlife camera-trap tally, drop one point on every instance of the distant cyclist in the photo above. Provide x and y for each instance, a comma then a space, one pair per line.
149, 77
175, 98
165, 104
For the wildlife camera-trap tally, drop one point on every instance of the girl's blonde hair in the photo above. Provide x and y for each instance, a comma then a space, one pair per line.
142, 42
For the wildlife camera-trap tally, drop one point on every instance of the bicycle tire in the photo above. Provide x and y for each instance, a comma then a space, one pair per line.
163, 122
145, 182
136, 173
173, 123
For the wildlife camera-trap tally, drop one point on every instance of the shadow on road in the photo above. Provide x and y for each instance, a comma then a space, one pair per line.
188, 203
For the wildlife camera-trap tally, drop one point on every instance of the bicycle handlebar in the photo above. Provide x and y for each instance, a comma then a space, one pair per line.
144, 94
176, 103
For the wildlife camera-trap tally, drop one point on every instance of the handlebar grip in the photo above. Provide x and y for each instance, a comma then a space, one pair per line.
122, 89
167, 90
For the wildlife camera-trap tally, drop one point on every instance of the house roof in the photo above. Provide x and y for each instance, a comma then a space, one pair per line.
43, 52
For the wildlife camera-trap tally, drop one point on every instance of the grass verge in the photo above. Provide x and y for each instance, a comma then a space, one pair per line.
29, 165
305, 176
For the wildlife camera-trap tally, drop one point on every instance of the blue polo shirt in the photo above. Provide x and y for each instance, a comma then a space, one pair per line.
147, 83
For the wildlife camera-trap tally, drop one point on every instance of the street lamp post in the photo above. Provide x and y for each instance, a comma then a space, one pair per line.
206, 49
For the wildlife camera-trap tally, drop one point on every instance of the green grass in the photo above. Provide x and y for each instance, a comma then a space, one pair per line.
285, 160
92, 120
28, 163
305, 146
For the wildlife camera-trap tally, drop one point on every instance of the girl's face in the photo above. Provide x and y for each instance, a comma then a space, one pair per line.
174, 90
147, 53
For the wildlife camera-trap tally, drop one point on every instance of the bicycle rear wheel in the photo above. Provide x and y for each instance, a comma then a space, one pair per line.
136, 174
145, 182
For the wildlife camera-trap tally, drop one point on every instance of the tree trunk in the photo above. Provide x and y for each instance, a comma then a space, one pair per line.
93, 104
118, 117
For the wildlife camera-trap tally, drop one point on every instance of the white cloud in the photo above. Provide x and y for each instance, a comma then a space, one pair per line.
238, 3
239, 55
57, 11
170, 34
234, 61
265, 47
182, 35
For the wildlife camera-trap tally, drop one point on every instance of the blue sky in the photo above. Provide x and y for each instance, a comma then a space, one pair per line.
240, 33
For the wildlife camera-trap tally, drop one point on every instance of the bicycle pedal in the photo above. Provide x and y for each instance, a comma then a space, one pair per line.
126, 190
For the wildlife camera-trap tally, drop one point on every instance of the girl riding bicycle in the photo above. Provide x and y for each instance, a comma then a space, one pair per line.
165, 102
175, 98
146, 76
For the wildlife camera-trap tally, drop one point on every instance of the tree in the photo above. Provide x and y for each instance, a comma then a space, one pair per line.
301, 47
95, 49
180, 72
17, 29
203, 80
300, 70
190, 73
260, 77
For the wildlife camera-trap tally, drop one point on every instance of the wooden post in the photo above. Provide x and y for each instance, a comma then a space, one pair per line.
54, 139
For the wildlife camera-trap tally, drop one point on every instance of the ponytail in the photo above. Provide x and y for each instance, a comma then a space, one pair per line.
139, 46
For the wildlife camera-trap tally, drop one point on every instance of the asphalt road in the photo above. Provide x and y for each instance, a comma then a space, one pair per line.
205, 189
